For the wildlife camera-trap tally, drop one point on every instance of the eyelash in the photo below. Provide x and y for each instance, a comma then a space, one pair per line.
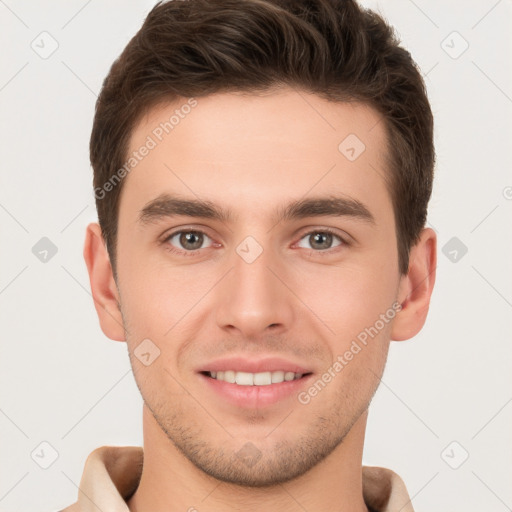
324, 252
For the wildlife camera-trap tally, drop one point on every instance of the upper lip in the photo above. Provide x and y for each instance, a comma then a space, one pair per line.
243, 364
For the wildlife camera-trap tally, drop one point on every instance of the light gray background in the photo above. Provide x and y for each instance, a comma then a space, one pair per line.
63, 382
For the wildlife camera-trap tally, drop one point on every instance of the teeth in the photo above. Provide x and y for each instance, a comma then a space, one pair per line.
277, 377
262, 379
244, 378
229, 376
255, 379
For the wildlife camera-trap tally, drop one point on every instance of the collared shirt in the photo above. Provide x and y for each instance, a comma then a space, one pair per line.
112, 473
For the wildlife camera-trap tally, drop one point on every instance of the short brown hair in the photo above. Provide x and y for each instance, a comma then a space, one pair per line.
332, 48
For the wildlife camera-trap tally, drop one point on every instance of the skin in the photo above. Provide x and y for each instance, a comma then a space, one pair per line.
253, 154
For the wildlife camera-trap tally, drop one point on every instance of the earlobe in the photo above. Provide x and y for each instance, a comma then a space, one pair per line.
103, 286
416, 287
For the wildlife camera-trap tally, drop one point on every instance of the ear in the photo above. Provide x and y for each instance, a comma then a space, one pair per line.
103, 286
416, 287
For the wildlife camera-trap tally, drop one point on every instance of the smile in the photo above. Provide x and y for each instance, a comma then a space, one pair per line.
254, 379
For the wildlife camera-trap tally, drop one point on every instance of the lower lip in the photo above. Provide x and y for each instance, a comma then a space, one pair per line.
254, 397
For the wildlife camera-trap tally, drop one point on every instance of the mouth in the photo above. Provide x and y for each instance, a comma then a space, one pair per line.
253, 383
250, 391
254, 379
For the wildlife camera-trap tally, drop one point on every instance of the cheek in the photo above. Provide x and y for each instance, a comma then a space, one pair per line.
166, 306
155, 295
348, 299
352, 293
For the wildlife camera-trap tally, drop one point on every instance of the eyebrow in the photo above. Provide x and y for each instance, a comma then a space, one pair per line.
166, 205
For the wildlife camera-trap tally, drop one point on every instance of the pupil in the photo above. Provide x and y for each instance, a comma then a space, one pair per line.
317, 240
187, 240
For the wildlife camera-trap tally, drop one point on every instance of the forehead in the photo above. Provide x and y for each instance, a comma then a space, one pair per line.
250, 150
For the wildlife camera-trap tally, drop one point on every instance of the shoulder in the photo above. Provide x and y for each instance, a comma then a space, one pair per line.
110, 473
383, 489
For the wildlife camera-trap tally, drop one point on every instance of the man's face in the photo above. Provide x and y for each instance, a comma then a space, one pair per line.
285, 294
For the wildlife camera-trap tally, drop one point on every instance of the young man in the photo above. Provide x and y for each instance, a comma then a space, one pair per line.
262, 171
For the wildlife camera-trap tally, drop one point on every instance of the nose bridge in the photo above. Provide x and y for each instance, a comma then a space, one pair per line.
253, 298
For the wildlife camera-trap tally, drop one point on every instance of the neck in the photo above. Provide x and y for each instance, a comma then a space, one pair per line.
171, 483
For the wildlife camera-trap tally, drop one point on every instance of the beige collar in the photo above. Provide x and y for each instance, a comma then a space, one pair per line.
112, 473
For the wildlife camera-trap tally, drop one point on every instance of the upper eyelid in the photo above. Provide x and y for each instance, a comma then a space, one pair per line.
345, 239
308, 231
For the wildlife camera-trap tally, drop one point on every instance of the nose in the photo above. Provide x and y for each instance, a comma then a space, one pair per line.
254, 299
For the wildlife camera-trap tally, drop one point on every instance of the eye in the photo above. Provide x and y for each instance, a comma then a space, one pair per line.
186, 241
190, 241
321, 240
